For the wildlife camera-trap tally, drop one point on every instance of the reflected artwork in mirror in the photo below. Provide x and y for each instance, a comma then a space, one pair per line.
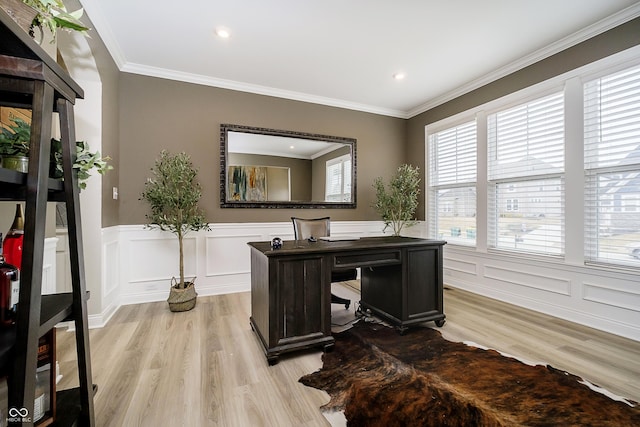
269, 168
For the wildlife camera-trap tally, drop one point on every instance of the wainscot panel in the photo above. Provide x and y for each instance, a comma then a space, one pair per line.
604, 299
219, 258
600, 298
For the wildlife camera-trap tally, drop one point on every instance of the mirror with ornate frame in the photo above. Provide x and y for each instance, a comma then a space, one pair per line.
269, 168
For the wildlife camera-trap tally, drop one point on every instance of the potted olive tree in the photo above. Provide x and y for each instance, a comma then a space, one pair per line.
173, 194
397, 203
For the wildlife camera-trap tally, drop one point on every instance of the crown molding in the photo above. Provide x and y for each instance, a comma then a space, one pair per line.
585, 34
97, 18
256, 89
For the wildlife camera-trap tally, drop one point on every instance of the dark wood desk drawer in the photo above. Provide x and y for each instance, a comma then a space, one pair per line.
367, 259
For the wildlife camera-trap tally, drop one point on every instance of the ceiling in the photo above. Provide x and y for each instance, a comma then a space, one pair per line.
345, 52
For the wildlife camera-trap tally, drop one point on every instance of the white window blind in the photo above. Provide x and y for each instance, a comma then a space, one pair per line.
453, 155
527, 140
338, 179
527, 216
452, 182
526, 177
612, 167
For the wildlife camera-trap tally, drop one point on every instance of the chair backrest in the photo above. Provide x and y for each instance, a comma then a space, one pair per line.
315, 227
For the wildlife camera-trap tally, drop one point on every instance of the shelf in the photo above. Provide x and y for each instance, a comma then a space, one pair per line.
55, 309
7, 338
15, 188
16, 43
29, 78
68, 407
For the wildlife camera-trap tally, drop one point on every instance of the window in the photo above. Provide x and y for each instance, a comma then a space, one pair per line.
526, 177
452, 182
338, 182
612, 168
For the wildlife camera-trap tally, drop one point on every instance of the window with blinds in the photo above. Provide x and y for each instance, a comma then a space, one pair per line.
612, 168
338, 179
452, 184
526, 177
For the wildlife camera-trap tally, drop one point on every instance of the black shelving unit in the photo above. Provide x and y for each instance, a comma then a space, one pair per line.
30, 79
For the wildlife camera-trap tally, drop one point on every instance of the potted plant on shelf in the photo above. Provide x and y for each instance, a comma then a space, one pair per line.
14, 154
14, 145
85, 161
173, 195
398, 203
44, 14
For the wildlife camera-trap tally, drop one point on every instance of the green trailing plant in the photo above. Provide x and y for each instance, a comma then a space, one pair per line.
85, 162
14, 140
397, 203
173, 194
52, 14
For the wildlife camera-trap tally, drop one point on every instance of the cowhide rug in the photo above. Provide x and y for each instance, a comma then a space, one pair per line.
379, 378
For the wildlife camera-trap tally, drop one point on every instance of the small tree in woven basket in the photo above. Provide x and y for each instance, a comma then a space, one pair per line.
397, 204
173, 195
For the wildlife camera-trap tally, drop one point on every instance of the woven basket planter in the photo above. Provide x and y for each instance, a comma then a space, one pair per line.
182, 299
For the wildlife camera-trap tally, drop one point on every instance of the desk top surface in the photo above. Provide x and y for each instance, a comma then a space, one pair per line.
293, 247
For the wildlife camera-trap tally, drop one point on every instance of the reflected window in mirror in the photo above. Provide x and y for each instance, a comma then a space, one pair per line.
263, 167
338, 179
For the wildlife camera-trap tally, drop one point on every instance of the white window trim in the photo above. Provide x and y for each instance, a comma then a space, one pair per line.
337, 160
574, 171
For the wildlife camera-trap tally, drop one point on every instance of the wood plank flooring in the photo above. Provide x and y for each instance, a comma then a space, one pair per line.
206, 368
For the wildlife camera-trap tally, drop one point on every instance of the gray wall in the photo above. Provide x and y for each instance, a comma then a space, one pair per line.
158, 114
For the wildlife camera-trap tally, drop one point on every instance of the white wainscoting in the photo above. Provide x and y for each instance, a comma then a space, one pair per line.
49, 266
602, 299
219, 259
141, 263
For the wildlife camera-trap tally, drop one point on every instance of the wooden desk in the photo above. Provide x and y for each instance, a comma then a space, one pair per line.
401, 281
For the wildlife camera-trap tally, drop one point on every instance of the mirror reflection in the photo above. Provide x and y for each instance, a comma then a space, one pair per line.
274, 168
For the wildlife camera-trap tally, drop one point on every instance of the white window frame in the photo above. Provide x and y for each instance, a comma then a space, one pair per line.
599, 225
343, 195
574, 183
460, 237
514, 178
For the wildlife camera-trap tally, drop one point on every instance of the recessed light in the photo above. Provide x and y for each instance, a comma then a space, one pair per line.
291, 147
223, 33
399, 76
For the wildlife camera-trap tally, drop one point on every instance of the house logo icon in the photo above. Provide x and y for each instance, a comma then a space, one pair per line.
19, 415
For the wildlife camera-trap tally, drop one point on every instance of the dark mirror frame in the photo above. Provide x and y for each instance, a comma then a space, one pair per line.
224, 203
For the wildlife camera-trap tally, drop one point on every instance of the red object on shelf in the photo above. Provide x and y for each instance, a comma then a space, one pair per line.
9, 290
12, 245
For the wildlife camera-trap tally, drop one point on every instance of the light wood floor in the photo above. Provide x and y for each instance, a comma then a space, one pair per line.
205, 367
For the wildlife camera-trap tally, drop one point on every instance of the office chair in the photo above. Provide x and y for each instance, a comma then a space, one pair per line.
321, 227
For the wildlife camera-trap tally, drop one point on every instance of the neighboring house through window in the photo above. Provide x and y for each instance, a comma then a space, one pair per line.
526, 163
533, 144
452, 183
612, 167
